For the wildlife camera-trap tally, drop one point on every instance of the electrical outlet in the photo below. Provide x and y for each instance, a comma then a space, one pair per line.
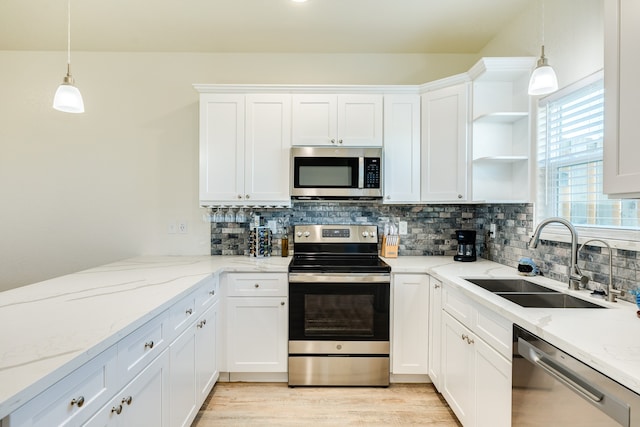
492, 230
182, 227
402, 226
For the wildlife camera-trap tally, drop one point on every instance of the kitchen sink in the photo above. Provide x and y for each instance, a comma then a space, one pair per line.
529, 294
509, 285
548, 300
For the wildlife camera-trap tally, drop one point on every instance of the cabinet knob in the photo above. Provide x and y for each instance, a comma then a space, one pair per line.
189, 311
240, 196
437, 286
117, 409
247, 196
388, 196
79, 401
459, 196
202, 323
148, 344
127, 400
281, 302
339, 141
256, 285
333, 141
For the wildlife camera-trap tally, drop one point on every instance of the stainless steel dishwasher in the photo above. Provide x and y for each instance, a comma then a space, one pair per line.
552, 388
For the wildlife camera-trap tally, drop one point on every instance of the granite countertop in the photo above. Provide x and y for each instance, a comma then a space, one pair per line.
52, 327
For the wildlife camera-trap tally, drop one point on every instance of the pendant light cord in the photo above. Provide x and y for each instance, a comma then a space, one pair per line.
68, 35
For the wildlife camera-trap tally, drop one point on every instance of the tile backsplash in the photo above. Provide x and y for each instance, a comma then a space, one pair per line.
431, 231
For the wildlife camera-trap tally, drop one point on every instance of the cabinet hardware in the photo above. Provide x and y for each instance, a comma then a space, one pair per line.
148, 344
333, 141
127, 400
239, 196
339, 141
436, 286
189, 311
117, 409
202, 323
212, 292
459, 196
247, 196
79, 401
256, 286
464, 337
281, 302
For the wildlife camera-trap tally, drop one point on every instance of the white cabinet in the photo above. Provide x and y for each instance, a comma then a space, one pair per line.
401, 148
182, 380
410, 324
257, 321
444, 143
328, 119
143, 402
435, 332
622, 91
501, 134
244, 148
476, 362
207, 349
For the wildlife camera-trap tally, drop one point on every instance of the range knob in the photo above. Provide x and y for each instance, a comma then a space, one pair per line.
299, 234
307, 234
365, 234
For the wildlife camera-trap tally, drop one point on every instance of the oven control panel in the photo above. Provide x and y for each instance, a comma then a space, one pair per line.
335, 233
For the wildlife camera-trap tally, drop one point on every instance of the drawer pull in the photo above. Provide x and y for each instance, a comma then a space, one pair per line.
202, 323
79, 401
212, 292
189, 311
148, 344
127, 400
465, 337
117, 409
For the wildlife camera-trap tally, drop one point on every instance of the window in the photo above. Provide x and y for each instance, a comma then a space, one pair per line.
570, 143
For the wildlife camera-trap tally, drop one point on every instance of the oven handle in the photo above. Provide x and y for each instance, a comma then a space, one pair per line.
360, 172
338, 278
606, 402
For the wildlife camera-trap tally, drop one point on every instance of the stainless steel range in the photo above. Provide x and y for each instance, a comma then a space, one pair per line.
338, 307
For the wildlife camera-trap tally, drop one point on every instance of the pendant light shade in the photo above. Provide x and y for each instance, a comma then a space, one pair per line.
68, 98
543, 79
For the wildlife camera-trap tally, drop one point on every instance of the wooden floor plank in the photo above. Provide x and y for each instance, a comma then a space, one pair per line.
276, 404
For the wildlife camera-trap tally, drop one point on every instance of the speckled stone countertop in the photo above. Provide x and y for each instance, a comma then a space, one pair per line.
51, 328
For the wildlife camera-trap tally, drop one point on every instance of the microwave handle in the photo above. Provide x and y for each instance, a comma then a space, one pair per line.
360, 172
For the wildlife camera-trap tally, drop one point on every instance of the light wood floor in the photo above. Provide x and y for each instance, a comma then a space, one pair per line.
275, 404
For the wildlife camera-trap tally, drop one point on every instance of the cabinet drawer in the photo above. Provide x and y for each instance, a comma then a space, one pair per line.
73, 399
138, 349
207, 293
258, 284
458, 306
181, 315
495, 330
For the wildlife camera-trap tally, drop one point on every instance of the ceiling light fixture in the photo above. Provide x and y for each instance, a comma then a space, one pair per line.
68, 97
543, 79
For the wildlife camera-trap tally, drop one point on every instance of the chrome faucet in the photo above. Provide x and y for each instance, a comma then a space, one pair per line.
574, 273
611, 291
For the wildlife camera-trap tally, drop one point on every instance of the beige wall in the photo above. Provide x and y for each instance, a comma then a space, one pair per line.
82, 190
78, 191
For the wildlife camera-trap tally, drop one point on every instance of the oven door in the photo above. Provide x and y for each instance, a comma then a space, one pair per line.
344, 311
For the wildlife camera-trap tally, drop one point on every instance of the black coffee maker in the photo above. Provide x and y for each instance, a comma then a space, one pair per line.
466, 246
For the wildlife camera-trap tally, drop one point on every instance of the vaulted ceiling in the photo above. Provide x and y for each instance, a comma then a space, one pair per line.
269, 26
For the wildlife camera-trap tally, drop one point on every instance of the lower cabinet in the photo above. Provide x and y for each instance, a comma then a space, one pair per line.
410, 324
435, 332
475, 376
143, 402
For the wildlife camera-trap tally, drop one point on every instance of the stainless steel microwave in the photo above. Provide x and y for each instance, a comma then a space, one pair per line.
336, 172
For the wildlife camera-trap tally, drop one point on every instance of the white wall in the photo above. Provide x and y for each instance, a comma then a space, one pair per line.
78, 191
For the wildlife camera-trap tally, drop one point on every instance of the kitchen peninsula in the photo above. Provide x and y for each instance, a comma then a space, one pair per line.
55, 327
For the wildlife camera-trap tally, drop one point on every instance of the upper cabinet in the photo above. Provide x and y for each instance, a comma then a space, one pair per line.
501, 131
445, 139
622, 91
401, 148
244, 149
350, 120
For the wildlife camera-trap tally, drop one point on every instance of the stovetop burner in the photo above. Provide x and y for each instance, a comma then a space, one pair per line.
332, 264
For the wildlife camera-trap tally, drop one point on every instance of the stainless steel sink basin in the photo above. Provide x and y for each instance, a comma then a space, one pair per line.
509, 285
548, 300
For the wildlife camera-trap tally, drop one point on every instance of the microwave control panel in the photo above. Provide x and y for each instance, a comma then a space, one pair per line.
372, 172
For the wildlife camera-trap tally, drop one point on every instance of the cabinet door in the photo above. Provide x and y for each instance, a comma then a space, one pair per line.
143, 402
257, 335
401, 148
457, 369
410, 323
360, 120
183, 378
221, 147
206, 352
435, 332
444, 149
492, 387
267, 143
314, 119
622, 91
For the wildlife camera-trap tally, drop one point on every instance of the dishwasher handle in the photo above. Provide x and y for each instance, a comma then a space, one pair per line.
606, 402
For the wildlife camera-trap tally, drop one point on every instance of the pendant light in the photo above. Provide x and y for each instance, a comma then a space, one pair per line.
543, 79
68, 97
